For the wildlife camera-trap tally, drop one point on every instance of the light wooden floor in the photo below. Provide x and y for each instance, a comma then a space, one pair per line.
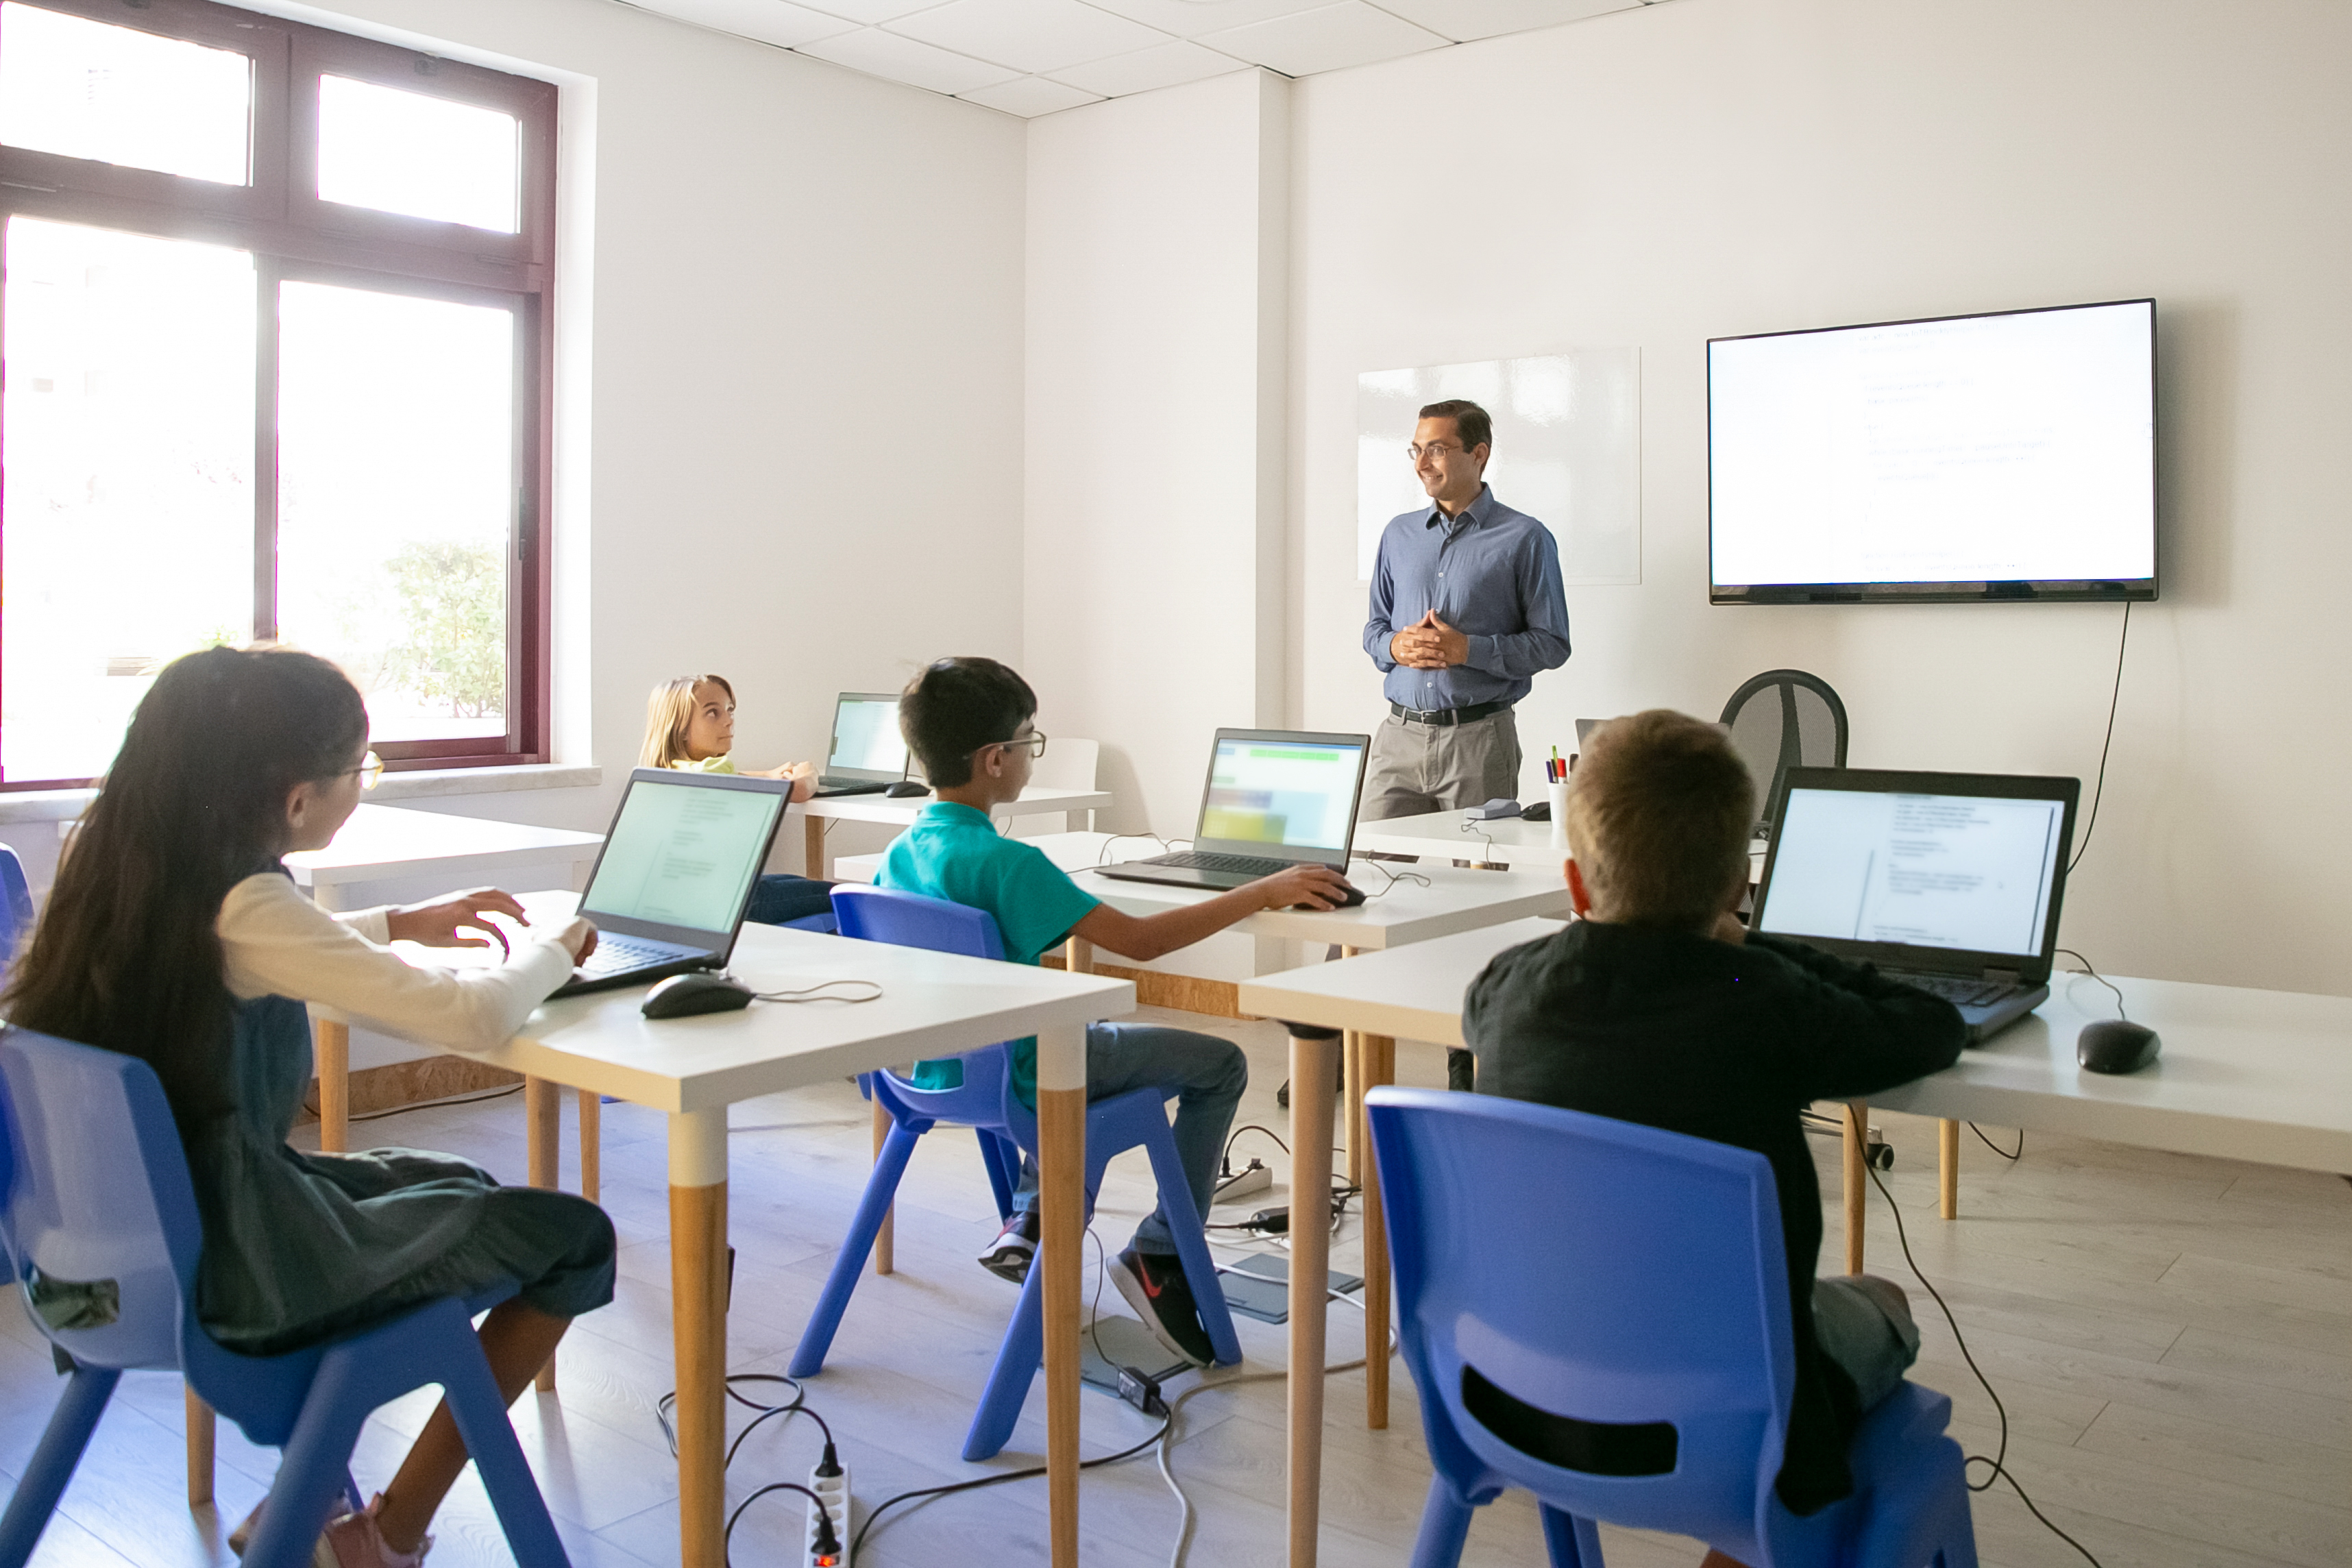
2173, 1337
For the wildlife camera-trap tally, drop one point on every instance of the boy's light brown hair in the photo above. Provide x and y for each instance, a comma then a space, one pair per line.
1658, 820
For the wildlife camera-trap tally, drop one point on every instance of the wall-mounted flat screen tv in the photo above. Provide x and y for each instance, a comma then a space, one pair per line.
2000, 456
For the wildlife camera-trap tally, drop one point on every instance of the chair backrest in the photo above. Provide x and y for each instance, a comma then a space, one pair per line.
1780, 720
97, 1199
908, 920
1593, 1311
1068, 764
15, 903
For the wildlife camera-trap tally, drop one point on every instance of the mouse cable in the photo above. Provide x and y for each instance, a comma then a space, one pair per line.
2101, 788
1999, 1460
816, 993
2120, 1011
1394, 879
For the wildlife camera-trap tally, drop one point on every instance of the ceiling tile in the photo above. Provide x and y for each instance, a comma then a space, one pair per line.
1463, 20
1328, 38
1031, 96
1191, 19
1028, 35
776, 22
877, 53
874, 12
1165, 65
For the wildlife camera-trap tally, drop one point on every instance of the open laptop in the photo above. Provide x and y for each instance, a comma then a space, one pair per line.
1274, 798
675, 874
868, 753
1951, 882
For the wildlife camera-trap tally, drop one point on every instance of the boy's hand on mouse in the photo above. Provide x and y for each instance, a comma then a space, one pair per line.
435, 923
1308, 886
579, 939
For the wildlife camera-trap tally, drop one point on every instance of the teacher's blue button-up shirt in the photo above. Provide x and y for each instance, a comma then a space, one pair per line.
1491, 574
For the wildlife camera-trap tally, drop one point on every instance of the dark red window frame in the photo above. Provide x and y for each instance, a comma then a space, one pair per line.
292, 235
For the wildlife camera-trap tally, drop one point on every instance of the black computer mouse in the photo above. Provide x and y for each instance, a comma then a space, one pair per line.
905, 788
2115, 1045
684, 995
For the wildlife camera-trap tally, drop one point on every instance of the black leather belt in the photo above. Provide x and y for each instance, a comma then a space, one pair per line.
1444, 715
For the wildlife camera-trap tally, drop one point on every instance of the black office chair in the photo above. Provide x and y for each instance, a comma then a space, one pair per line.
1780, 720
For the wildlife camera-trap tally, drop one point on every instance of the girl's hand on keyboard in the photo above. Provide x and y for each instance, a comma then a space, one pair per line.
580, 937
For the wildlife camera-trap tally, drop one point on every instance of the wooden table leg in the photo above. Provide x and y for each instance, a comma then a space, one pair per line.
1857, 1184
331, 1049
886, 1257
1062, 1200
1351, 1092
1313, 1054
592, 1145
1948, 1169
1380, 1068
201, 1430
698, 1273
813, 857
543, 1136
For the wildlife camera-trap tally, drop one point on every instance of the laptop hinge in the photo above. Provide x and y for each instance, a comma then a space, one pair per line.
2003, 976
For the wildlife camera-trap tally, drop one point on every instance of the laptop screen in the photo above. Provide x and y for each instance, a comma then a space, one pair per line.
1298, 794
865, 738
683, 855
1973, 873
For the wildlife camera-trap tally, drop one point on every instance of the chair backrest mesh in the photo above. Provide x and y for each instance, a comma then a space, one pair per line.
1780, 720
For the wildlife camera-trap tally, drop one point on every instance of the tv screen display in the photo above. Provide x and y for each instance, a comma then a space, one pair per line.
2002, 457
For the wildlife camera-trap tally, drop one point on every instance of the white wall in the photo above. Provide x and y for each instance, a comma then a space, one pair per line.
1153, 551
1657, 177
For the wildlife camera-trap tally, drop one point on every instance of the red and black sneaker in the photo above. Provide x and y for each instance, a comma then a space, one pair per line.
1014, 1248
1155, 1288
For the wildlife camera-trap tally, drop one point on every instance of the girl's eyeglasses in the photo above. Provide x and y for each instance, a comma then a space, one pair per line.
371, 771
1034, 744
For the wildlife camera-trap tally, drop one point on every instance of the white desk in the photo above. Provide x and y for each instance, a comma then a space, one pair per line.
1451, 834
1035, 801
382, 842
2260, 1076
934, 1004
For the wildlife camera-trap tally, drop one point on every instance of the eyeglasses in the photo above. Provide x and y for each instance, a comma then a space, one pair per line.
1417, 451
371, 771
1034, 744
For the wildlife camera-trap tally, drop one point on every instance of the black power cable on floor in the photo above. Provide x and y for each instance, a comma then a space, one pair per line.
1999, 1460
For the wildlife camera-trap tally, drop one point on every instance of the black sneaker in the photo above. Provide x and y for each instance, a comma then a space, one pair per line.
1014, 1248
1155, 1288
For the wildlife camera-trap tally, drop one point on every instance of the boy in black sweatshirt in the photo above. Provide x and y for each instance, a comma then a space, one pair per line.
1658, 1006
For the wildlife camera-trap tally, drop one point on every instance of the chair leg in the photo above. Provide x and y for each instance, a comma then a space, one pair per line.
1003, 1163
1192, 1242
1574, 1541
70, 1425
1008, 1381
313, 1471
824, 1322
482, 1422
1445, 1526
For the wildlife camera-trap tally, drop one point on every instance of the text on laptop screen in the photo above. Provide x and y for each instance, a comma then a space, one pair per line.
1280, 791
866, 737
683, 856
1968, 872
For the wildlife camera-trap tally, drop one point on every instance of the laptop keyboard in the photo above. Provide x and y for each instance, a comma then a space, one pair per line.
1959, 990
615, 954
1200, 860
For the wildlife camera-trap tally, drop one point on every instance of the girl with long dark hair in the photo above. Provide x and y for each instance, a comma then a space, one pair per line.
173, 934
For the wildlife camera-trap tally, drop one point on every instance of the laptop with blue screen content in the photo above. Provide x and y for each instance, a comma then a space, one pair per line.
1948, 882
1275, 799
675, 874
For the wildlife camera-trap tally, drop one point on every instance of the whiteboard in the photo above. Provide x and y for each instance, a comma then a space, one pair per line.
1568, 451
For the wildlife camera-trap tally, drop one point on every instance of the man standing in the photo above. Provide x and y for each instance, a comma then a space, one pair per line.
1466, 607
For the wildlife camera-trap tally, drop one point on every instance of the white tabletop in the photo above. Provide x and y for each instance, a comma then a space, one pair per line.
381, 841
1035, 800
1506, 841
934, 1003
2264, 1076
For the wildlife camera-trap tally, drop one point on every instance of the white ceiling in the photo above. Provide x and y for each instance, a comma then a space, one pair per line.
1035, 56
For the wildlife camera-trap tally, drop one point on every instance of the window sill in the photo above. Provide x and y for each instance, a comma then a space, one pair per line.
425, 784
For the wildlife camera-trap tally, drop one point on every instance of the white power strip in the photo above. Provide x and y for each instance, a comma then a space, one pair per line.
1252, 1178
835, 1490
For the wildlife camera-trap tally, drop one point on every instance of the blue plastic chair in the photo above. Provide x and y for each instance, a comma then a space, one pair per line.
1638, 1317
985, 1102
97, 1191
15, 903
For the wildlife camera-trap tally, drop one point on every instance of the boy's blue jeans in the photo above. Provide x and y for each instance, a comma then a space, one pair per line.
1208, 1072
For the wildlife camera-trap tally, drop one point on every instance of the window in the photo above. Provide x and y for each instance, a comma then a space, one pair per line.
273, 330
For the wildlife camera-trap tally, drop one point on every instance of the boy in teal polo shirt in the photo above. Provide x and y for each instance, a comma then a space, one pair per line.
971, 721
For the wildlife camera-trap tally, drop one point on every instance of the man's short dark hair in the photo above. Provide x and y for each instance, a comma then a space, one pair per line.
1470, 421
956, 706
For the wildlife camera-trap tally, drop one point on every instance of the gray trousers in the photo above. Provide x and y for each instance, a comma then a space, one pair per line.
1416, 769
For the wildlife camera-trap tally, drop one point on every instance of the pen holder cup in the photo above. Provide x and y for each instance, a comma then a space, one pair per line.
1558, 796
